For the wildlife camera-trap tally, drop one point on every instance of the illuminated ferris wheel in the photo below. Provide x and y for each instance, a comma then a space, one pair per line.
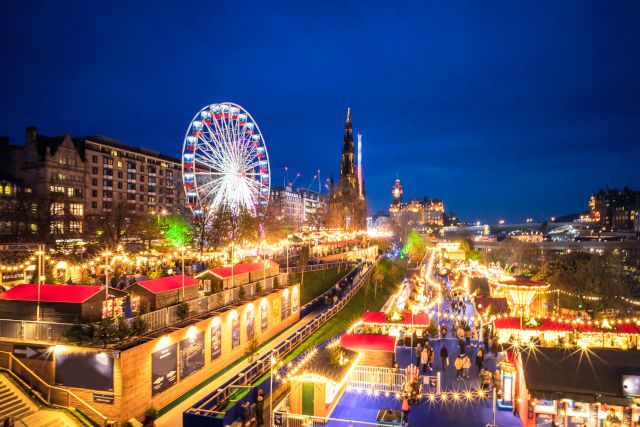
225, 164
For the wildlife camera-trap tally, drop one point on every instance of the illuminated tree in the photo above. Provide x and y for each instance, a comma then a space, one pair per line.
178, 232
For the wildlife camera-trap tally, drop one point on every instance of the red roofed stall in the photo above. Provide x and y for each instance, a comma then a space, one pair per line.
377, 350
220, 278
58, 303
379, 318
150, 295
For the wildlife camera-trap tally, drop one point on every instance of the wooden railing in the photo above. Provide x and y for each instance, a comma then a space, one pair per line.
52, 395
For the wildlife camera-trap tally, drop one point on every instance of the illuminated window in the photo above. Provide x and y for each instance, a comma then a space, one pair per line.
76, 209
57, 209
119, 163
75, 226
56, 189
56, 227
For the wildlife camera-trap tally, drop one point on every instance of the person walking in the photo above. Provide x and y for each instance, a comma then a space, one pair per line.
480, 359
444, 355
485, 379
466, 365
405, 410
424, 359
418, 354
260, 408
497, 382
245, 413
432, 355
458, 364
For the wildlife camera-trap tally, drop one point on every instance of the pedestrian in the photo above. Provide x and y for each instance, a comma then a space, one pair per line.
458, 364
260, 408
467, 336
335, 299
444, 355
461, 345
480, 359
8, 422
466, 365
405, 410
418, 354
424, 359
245, 413
497, 382
485, 379
432, 355
443, 330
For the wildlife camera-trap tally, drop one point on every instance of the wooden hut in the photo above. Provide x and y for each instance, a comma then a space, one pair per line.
217, 279
163, 292
317, 382
58, 303
377, 350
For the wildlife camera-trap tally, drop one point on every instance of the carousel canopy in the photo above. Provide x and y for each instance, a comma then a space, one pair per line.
380, 318
357, 342
545, 324
556, 373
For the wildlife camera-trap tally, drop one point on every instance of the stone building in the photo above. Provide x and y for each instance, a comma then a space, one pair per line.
416, 213
80, 180
347, 204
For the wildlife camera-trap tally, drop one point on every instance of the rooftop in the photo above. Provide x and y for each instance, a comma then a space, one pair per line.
74, 294
165, 284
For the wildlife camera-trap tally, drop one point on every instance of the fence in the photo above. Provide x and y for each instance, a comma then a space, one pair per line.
316, 267
283, 418
388, 380
209, 406
30, 330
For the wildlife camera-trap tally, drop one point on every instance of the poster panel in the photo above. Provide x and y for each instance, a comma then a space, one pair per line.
235, 331
286, 305
264, 320
164, 367
216, 339
85, 369
295, 299
191, 355
251, 327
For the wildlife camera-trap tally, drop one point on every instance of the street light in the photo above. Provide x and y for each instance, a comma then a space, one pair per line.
182, 249
106, 255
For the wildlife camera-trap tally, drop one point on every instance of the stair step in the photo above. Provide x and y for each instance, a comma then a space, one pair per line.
5, 405
21, 413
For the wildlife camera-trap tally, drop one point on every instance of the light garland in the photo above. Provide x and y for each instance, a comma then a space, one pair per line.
443, 396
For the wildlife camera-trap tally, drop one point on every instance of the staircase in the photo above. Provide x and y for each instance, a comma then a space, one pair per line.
48, 418
13, 402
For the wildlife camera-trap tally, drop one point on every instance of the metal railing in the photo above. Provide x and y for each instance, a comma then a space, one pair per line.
388, 380
316, 267
53, 395
30, 330
210, 404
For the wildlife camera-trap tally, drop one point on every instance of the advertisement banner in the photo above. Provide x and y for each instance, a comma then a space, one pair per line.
164, 367
286, 305
264, 320
251, 331
295, 298
275, 313
191, 355
85, 369
216, 339
235, 331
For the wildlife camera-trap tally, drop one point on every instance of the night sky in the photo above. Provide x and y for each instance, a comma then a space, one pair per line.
504, 110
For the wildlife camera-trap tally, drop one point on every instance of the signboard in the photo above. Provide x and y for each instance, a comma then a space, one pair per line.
216, 339
276, 311
251, 330
85, 369
277, 419
164, 367
32, 352
100, 397
286, 305
235, 331
295, 299
264, 320
13, 276
191, 355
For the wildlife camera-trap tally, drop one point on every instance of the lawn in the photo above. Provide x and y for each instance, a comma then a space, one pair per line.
366, 299
317, 282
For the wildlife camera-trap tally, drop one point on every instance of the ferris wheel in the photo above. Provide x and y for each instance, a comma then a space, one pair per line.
225, 164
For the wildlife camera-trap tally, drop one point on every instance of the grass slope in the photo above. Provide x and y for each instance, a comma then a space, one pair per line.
364, 300
317, 282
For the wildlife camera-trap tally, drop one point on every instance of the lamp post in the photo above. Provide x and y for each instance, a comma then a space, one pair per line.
273, 362
40, 254
182, 249
106, 255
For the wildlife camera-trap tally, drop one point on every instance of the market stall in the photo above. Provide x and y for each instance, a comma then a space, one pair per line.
546, 332
607, 333
377, 350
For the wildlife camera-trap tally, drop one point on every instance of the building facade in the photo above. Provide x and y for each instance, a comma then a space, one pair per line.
297, 206
78, 182
347, 204
615, 210
416, 213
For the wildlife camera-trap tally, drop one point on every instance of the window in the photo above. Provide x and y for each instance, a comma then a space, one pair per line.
169, 201
57, 209
142, 188
160, 172
119, 186
107, 194
141, 168
119, 163
131, 176
94, 193
107, 172
94, 205
94, 170
142, 197
78, 192
152, 189
106, 205
107, 183
152, 180
169, 174
131, 186
68, 161
141, 178
107, 161
151, 169
94, 181
120, 175
75, 227
34, 228
56, 227
70, 192
76, 209
131, 197
131, 165
95, 159
56, 189
141, 208
152, 199
161, 181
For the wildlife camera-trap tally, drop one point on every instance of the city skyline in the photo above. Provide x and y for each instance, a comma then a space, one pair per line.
527, 127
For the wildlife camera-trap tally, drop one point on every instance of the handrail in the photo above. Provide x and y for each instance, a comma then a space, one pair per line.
13, 359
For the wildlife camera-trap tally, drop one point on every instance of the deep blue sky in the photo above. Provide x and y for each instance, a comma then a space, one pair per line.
504, 110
